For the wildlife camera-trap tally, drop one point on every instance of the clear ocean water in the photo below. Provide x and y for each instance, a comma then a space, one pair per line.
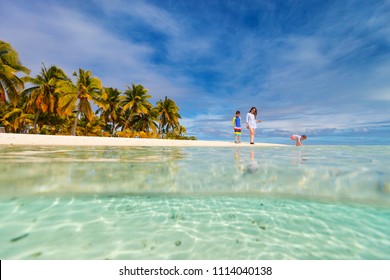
312, 202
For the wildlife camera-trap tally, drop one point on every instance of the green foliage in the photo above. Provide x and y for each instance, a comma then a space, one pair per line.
127, 133
169, 116
41, 98
135, 103
10, 84
172, 135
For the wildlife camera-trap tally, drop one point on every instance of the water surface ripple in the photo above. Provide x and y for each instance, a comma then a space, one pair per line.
315, 202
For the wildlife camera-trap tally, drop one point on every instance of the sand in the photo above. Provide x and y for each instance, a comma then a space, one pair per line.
59, 140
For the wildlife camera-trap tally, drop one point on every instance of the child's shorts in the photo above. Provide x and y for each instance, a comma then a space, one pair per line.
237, 131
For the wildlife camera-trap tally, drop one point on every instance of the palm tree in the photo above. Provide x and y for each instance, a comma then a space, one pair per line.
78, 96
168, 115
181, 130
54, 124
90, 127
135, 102
146, 122
15, 119
110, 108
42, 96
10, 84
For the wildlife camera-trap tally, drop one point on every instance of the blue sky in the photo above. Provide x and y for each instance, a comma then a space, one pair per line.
320, 68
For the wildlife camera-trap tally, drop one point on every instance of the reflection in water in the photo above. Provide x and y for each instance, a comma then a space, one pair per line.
298, 157
344, 173
253, 165
86, 170
250, 166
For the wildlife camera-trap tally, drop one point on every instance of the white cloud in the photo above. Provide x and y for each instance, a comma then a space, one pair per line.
57, 35
305, 51
142, 11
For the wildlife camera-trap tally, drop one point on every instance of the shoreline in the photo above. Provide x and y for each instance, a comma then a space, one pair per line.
12, 139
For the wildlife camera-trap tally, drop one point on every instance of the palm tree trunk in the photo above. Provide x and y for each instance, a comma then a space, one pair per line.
36, 121
75, 124
113, 128
113, 125
160, 130
127, 123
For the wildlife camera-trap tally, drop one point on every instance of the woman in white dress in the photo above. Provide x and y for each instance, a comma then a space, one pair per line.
251, 123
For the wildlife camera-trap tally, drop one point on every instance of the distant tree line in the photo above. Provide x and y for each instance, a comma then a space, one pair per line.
54, 104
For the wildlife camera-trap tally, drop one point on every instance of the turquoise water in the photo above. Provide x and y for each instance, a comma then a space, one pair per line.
313, 202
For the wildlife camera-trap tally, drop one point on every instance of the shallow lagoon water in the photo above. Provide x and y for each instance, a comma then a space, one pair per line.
313, 202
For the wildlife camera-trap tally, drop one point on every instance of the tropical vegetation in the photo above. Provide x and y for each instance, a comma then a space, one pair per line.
53, 103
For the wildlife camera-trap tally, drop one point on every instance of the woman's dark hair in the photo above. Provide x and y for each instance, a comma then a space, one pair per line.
255, 111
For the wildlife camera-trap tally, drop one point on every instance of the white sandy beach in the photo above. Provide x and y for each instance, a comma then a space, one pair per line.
59, 140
